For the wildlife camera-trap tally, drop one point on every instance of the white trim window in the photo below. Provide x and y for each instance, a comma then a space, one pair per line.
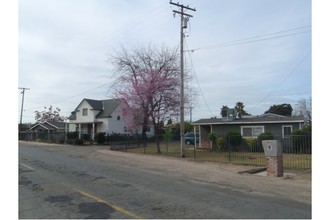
286, 131
252, 131
85, 112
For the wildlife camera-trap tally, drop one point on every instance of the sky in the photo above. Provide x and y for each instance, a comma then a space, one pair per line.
257, 52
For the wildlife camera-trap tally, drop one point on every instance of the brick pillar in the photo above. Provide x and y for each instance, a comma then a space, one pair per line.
275, 166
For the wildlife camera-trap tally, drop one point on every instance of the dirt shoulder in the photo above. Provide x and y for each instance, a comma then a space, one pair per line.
297, 186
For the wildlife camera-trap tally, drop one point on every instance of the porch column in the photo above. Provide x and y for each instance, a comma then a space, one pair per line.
93, 131
79, 131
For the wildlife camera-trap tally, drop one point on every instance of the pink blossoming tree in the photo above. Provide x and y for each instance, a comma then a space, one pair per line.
49, 114
148, 79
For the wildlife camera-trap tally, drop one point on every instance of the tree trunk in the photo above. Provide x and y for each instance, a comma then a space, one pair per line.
144, 130
158, 145
157, 138
144, 136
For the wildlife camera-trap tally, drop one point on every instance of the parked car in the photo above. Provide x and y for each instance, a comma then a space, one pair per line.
189, 138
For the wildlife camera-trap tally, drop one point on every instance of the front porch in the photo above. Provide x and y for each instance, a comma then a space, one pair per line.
85, 130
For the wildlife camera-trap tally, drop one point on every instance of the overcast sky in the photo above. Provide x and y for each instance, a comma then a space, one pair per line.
254, 51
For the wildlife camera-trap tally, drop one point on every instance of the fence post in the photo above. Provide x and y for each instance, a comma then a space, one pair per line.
229, 149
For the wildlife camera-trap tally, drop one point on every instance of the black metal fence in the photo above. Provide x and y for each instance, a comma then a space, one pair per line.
297, 152
44, 136
297, 149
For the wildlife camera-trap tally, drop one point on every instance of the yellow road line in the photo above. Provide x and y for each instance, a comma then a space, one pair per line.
26, 166
119, 209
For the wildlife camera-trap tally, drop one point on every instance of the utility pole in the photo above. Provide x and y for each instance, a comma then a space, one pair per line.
190, 109
23, 92
184, 19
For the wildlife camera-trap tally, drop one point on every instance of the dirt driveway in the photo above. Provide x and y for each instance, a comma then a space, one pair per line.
297, 186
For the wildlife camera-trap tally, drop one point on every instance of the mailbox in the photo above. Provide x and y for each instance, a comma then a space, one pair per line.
272, 148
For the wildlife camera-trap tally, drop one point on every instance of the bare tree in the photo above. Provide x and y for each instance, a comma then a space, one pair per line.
148, 79
304, 107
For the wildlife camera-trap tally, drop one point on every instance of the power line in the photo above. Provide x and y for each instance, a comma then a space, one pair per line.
287, 76
255, 38
105, 84
200, 89
71, 97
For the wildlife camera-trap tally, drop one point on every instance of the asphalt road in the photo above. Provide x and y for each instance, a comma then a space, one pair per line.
62, 184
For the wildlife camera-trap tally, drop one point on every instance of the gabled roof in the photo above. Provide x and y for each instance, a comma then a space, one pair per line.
48, 125
106, 107
56, 124
260, 119
96, 104
72, 116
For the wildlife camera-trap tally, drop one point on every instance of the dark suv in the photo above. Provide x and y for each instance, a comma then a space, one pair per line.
189, 138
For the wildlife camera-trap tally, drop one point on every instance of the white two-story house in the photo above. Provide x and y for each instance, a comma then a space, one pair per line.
109, 116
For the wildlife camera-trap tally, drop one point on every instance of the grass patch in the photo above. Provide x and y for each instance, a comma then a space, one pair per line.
290, 161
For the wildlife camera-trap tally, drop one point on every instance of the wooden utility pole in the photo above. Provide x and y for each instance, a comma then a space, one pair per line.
23, 92
184, 19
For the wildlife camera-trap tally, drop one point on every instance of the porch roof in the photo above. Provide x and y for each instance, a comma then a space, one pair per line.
86, 122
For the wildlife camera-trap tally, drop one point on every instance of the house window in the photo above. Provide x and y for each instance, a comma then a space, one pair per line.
118, 118
252, 131
286, 131
84, 112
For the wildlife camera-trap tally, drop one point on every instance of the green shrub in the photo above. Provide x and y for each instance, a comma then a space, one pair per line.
301, 141
221, 143
251, 143
262, 137
78, 141
212, 137
116, 137
100, 137
168, 135
307, 129
234, 138
72, 135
